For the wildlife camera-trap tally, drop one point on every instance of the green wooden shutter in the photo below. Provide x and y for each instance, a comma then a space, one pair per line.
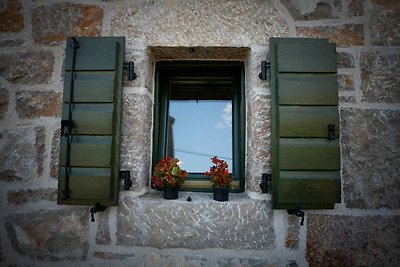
304, 94
93, 175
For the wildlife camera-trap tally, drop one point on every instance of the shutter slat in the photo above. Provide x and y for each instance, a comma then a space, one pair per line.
309, 154
88, 151
306, 57
101, 56
91, 86
309, 191
308, 89
94, 119
89, 183
307, 121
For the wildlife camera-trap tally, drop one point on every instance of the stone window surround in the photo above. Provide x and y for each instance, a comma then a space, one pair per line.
243, 54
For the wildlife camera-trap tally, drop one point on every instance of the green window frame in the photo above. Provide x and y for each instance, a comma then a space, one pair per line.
165, 72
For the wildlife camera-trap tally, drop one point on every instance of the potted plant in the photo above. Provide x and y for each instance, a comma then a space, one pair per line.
221, 179
169, 177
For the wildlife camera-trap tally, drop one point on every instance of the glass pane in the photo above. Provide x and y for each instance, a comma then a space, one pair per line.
199, 130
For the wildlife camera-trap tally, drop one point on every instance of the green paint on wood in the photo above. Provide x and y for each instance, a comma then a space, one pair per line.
96, 115
304, 101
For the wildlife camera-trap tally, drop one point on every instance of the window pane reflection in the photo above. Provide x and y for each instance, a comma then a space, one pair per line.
199, 130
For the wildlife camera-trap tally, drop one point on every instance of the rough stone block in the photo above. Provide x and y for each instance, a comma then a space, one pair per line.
240, 223
343, 35
259, 144
27, 67
33, 104
292, 232
21, 153
322, 10
193, 23
347, 99
136, 138
371, 159
50, 235
3, 102
253, 262
55, 22
55, 153
353, 241
344, 60
11, 43
29, 195
103, 231
11, 17
384, 25
355, 8
345, 82
379, 77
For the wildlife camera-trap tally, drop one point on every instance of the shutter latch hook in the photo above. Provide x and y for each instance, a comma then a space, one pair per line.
97, 207
298, 212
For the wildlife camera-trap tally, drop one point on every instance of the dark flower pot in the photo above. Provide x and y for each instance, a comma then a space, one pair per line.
171, 192
221, 193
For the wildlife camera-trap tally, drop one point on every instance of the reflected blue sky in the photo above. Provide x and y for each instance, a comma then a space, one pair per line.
202, 129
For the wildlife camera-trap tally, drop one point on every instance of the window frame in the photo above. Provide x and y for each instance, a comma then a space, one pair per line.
165, 71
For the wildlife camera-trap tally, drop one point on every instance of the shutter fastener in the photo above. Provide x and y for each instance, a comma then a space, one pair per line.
96, 208
126, 176
266, 183
265, 65
130, 67
298, 212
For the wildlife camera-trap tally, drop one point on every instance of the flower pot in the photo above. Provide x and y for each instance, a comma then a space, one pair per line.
221, 193
171, 192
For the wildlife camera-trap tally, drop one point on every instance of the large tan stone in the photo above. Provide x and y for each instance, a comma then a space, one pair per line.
379, 77
371, 158
50, 235
384, 25
136, 138
198, 23
30, 67
11, 17
33, 104
334, 240
31, 195
22, 153
53, 23
343, 35
240, 223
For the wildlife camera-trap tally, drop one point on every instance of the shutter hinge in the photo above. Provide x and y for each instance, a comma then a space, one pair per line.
126, 176
265, 65
266, 183
130, 67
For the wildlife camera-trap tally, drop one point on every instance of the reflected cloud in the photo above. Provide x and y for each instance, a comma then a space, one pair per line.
226, 117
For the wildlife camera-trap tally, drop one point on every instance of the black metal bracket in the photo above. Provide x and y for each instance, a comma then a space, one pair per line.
298, 212
130, 67
96, 208
69, 122
265, 66
266, 183
126, 176
331, 132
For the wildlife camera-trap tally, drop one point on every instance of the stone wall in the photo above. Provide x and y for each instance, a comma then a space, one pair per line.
145, 230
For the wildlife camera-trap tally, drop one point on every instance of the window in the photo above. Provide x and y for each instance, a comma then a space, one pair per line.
199, 113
